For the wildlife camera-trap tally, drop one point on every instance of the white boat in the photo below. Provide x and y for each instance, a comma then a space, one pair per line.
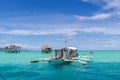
66, 55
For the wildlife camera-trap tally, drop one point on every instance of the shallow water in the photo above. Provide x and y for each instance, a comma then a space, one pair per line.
105, 66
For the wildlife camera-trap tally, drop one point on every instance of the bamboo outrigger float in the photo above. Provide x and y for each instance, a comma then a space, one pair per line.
65, 56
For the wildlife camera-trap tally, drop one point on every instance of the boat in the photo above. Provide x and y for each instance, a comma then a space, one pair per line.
46, 49
65, 55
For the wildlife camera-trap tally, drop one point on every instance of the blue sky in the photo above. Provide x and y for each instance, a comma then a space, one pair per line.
86, 24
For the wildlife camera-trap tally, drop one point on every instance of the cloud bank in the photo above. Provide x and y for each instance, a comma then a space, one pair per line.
64, 31
111, 6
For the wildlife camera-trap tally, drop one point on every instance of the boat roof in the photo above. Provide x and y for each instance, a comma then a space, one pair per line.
46, 46
73, 48
68, 48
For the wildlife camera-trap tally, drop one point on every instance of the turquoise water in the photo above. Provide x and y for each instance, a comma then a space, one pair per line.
105, 66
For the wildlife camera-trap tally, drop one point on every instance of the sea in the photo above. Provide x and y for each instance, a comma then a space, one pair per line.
16, 66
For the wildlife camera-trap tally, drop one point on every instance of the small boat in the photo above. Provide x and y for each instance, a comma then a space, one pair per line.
66, 55
46, 49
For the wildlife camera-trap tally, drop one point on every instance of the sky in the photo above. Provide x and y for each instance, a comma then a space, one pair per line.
85, 24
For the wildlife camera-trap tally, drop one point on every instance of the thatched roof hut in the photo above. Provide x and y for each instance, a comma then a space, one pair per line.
12, 49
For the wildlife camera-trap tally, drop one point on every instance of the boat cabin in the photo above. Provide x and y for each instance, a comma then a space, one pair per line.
65, 53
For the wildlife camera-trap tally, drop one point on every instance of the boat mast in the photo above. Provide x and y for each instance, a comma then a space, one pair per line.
65, 43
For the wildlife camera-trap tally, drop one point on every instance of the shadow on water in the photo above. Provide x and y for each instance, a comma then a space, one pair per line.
56, 66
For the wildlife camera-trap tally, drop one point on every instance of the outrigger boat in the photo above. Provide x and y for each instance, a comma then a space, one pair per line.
66, 55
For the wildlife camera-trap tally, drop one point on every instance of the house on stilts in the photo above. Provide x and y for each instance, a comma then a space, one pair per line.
12, 49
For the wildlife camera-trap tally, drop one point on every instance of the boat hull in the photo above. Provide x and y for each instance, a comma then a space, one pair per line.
58, 62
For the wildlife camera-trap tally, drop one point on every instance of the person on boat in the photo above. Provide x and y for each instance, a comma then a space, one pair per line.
76, 53
70, 53
64, 52
56, 55
67, 56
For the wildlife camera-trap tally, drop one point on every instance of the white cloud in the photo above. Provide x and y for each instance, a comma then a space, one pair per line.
118, 23
65, 31
103, 30
43, 21
106, 4
80, 42
112, 4
93, 43
112, 7
28, 46
95, 17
